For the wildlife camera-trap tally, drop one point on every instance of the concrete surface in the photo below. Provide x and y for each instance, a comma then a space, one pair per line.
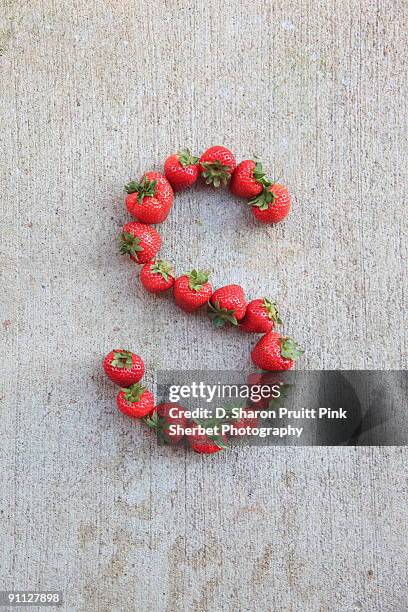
94, 93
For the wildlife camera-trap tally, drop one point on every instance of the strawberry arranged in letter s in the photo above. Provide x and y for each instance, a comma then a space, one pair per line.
261, 316
135, 401
150, 199
227, 305
275, 352
162, 417
272, 205
140, 241
181, 169
191, 291
248, 179
157, 276
217, 164
123, 367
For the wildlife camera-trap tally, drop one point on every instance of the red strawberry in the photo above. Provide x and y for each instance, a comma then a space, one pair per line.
275, 352
272, 205
227, 305
261, 316
150, 199
123, 367
162, 417
181, 169
140, 241
217, 164
248, 179
206, 444
135, 401
191, 291
157, 276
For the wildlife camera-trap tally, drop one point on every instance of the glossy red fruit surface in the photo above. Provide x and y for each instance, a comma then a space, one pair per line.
157, 276
191, 291
227, 305
261, 316
135, 401
150, 199
248, 179
182, 169
275, 352
140, 241
123, 367
273, 205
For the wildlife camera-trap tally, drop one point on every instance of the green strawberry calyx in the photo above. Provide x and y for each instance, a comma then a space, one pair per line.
162, 267
216, 173
134, 393
159, 425
186, 158
152, 420
259, 174
197, 278
290, 349
129, 244
264, 199
122, 359
143, 189
220, 316
272, 311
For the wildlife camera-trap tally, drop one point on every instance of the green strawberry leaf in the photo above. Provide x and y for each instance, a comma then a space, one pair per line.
263, 200
259, 173
151, 420
132, 187
134, 392
122, 359
216, 173
272, 310
144, 188
186, 158
129, 244
220, 316
159, 424
196, 279
162, 267
290, 349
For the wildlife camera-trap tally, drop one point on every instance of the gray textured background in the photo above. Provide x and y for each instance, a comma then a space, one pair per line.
94, 93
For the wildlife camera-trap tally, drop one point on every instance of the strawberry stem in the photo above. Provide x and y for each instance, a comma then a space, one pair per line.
264, 199
129, 244
144, 188
272, 310
134, 392
259, 174
159, 424
220, 316
196, 279
186, 158
162, 267
122, 359
216, 173
290, 349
